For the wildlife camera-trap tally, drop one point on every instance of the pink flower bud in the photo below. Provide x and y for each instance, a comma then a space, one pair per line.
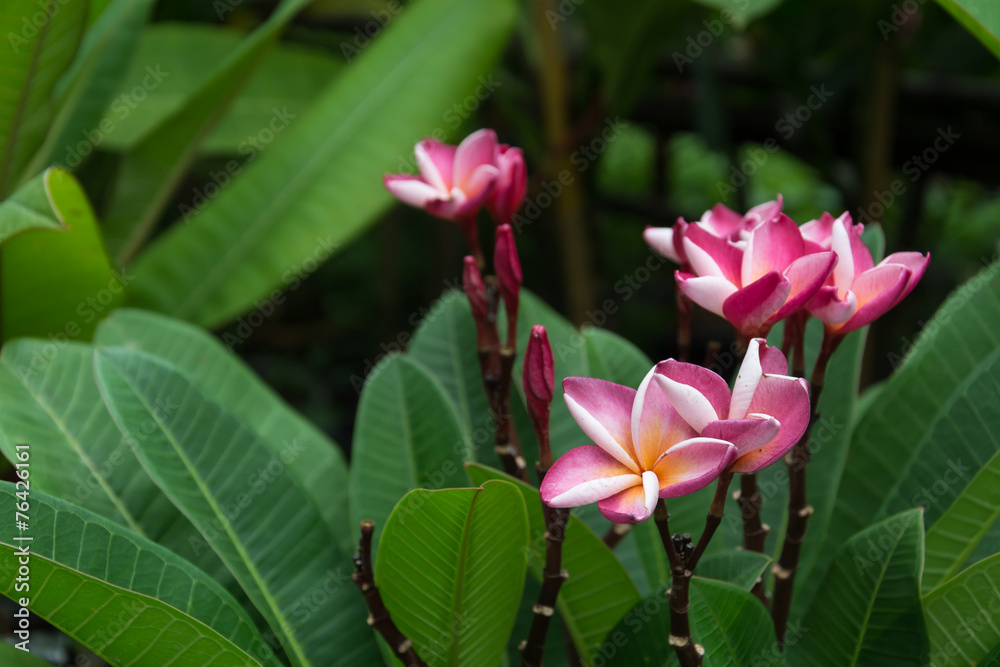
475, 290
539, 375
508, 268
511, 185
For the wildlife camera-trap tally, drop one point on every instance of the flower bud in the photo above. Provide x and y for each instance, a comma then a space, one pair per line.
539, 382
508, 269
475, 290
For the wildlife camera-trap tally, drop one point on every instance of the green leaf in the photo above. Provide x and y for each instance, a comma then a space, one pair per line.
42, 41
451, 568
598, 592
980, 17
867, 611
406, 436
311, 458
230, 485
79, 456
956, 534
615, 359
151, 171
740, 568
107, 49
14, 657
741, 11
730, 623
57, 281
127, 599
328, 166
937, 408
993, 659
960, 615
288, 78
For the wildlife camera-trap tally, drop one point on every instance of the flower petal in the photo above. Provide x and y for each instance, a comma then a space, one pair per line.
604, 412
807, 275
656, 425
915, 262
761, 213
630, 505
877, 290
477, 149
745, 434
585, 475
690, 403
411, 190
772, 359
749, 308
830, 308
661, 239
710, 255
787, 400
709, 292
692, 465
749, 376
819, 231
436, 162
772, 246
721, 221
708, 384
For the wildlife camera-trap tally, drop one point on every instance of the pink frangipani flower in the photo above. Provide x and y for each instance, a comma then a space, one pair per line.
454, 181
858, 291
756, 285
644, 450
764, 416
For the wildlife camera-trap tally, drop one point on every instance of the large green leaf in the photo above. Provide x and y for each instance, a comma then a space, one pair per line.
451, 567
961, 615
980, 17
78, 127
288, 78
57, 282
406, 436
323, 175
740, 568
151, 171
730, 623
739, 12
598, 592
944, 378
266, 530
15, 657
126, 598
310, 457
867, 610
956, 534
79, 455
42, 40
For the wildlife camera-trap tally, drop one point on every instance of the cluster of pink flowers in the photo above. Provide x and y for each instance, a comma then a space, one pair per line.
676, 433
759, 268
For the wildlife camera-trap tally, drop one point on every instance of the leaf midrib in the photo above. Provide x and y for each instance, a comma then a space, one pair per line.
456, 608
871, 599
248, 563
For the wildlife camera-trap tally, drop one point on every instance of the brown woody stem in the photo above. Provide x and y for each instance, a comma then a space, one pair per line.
378, 616
755, 531
616, 534
688, 653
799, 509
553, 576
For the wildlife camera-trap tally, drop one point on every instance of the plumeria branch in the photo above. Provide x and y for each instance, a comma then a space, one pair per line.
799, 510
539, 387
677, 547
378, 617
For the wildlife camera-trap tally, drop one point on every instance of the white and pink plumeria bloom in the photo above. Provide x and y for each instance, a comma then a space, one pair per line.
454, 181
859, 291
720, 221
674, 435
766, 276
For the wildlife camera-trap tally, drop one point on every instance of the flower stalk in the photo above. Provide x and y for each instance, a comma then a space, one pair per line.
799, 509
378, 616
677, 547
